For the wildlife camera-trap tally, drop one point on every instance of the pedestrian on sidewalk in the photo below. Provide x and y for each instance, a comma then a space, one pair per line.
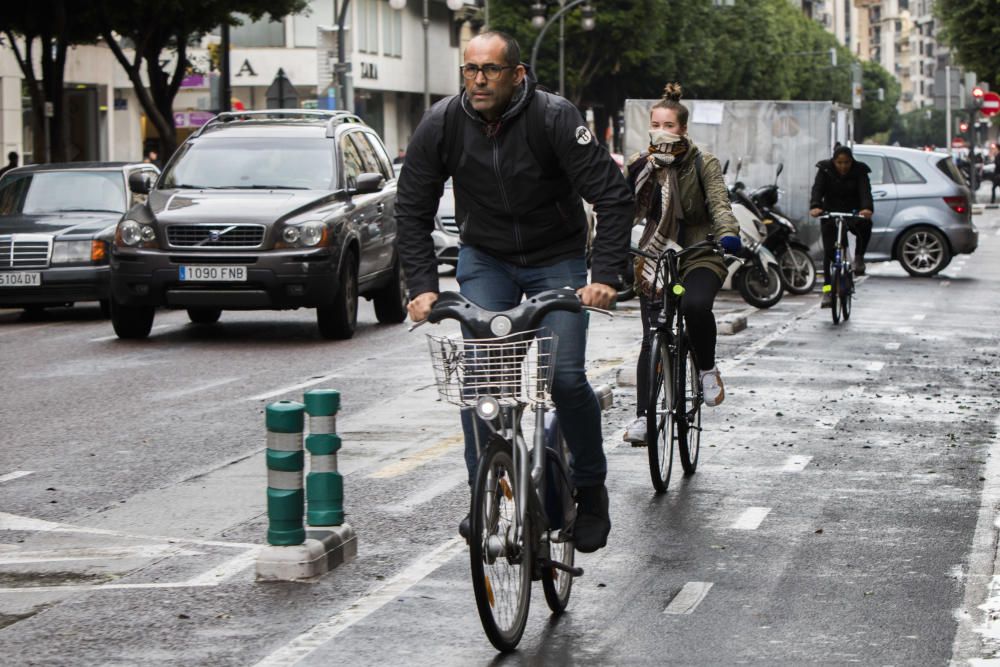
842, 186
11, 163
996, 177
682, 198
520, 159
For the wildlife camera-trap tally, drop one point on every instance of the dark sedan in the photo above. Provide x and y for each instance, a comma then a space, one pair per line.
57, 222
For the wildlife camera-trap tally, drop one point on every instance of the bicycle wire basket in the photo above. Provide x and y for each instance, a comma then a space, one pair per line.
512, 369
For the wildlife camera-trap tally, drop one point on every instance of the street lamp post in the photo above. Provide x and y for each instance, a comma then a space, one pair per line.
453, 5
539, 21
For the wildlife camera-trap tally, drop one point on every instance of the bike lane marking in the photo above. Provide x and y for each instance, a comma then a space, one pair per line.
688, 597
751, 518
892, 346
292, 387
17, 474
158, 327
752, 350
302, 646
796, 463
414, 461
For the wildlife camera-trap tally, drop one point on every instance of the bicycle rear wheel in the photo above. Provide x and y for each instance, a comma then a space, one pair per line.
689, 414
501, 562
846, 292
661, 426
556, 583
835, 295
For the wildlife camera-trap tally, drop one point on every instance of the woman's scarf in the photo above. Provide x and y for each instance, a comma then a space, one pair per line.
658, 233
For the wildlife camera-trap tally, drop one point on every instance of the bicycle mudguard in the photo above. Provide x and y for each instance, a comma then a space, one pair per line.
484, 323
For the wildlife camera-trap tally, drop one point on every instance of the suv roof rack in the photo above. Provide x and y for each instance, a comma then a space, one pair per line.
333, 117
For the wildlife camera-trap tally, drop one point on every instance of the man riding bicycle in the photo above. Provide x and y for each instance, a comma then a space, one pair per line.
518, 157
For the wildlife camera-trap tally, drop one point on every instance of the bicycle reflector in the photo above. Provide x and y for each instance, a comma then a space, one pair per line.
827, 289
487, 408
678, 290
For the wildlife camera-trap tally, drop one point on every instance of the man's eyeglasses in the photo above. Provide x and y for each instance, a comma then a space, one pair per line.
491, 72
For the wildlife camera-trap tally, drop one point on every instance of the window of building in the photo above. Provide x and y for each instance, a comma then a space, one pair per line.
367, 22
392, 33
257, 33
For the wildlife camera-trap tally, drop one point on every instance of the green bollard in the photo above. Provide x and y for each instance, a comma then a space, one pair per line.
285, 463
324, 484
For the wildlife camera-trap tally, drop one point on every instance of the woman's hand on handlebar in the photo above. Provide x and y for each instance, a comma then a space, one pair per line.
597, 295
420, 306
865, 213
815, 212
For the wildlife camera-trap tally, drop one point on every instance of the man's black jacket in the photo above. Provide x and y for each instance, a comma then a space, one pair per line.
841, 194
507, 203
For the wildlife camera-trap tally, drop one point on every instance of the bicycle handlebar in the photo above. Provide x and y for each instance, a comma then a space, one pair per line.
707, 243
524, 317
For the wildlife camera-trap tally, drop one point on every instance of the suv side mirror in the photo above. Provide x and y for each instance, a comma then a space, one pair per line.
140, 183
781, 168
368, 183
725, 168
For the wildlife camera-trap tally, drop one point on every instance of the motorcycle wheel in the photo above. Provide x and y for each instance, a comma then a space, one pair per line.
755, 292
798, 273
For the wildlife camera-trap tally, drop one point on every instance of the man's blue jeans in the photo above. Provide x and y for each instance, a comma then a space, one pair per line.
497, 285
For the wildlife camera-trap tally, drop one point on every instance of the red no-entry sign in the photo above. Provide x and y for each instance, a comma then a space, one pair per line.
991, 104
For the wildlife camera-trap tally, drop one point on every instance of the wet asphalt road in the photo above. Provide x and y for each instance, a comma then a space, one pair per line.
843, 511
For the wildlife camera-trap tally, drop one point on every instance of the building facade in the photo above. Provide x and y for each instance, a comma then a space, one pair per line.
385, 48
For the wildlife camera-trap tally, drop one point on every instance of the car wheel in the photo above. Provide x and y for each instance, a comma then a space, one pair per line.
390, 301
923, 252
338, 320
204, 315
105, 306
131, 322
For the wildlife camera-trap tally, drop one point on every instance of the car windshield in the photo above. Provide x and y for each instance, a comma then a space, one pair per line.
63, 191
253, 163
950, 169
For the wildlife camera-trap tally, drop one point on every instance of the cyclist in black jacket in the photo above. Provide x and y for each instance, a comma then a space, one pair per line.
518, 158
842, 185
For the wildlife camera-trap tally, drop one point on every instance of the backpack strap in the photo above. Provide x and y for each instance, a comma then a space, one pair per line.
454, 140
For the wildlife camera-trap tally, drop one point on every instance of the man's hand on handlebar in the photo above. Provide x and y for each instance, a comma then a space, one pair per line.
597, 295
420, 306
865, 213
815, 212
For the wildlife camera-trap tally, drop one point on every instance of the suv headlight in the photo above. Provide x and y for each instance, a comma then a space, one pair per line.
306, 235
78, 252
134, 234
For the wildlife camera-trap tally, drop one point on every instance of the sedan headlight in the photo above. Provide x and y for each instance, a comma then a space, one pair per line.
134, 234
306, 235
71, 252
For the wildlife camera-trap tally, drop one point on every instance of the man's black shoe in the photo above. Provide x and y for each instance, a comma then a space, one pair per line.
859, 266
590, 532
465, 527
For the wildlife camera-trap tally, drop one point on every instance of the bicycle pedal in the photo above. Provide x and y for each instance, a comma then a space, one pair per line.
636, 444
569, 569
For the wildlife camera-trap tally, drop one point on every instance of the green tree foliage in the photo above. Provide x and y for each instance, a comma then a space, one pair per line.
756, 49
877, 115
972, 28
153, 29
42, 32
919, 128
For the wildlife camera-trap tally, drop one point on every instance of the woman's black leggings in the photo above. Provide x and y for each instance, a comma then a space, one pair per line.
700, 287
862, 229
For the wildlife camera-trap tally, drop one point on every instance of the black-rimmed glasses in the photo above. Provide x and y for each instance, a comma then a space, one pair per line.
491, 72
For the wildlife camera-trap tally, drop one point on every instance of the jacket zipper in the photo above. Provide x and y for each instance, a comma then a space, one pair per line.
503, 195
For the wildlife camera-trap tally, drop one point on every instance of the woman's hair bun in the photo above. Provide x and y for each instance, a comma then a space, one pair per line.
672, 92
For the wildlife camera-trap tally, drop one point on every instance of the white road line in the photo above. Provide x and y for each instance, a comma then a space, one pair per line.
97, 587
752, 350
875, 366
751, 518
919, 316
944, 283
93, 553
414, 461
892, 346
17, 474
226, 570
688, 598
426, 494
319, 634
164, 395
115, 336
291, 388
796, 463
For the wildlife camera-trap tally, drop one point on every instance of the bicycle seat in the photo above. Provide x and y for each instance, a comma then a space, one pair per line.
484, 323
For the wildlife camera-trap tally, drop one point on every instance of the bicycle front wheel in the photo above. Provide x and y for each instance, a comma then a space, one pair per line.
660, 412
500, 557
835, 296
689, 416
846, 292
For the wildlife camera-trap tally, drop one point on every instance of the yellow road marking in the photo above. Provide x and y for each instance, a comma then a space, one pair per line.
414, 461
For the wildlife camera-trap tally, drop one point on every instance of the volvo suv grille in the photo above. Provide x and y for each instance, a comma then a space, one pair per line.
24, 251
215, 236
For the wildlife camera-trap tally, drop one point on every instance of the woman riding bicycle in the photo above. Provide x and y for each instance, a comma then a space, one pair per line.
842, 185
681, 196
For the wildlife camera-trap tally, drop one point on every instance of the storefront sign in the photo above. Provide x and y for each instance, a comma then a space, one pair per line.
192, 118
369, 71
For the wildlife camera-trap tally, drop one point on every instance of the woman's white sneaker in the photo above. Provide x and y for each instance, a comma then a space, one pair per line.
712, 389
635, 432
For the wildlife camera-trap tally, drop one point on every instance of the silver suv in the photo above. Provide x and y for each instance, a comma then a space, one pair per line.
264, 210
923, 212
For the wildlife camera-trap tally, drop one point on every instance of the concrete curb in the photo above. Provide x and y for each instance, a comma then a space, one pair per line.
322, 551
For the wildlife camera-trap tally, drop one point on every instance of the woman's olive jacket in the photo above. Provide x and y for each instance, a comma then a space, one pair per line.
705, 211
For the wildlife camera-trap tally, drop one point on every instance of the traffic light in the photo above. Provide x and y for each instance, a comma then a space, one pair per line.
963, 127
977, 97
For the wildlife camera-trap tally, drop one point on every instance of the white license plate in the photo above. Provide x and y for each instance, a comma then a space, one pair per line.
20, 279
192, 274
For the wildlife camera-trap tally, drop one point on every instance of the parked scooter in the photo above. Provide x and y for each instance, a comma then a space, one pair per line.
798, 272
758, 276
